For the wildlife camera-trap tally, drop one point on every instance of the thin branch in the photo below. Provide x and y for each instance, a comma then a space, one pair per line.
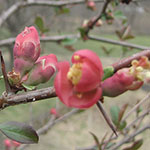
119, 43
136, 106
24, 3
6, 81
138, 118
27, 97
129, 137
57, 38
102, 12
108, 120
126, 62
51, 123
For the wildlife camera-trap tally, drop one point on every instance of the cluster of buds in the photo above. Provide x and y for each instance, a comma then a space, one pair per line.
131, 78
80, 85
86, 23
109, 17
11, 144
29, 68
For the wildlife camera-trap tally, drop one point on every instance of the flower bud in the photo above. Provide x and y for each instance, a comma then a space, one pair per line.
131, 78
42, 71
26, 50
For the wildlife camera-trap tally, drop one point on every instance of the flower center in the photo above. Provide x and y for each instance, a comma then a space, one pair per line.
141, 69
74, 73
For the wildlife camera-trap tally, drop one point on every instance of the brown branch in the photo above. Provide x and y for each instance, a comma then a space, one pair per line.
100, 15
108, 120
7, 84
130, 137
27, 97
58, 38
126, 62
119, 43
136, 106
24, 3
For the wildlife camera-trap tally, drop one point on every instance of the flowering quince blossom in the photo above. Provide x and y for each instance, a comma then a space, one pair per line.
128, 78
43, 69
79, 86
26, 50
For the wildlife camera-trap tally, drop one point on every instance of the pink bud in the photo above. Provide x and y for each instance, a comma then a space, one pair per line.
42, 71
7, 144
26, 50
120, 82
79, 86
54, 112
91, 5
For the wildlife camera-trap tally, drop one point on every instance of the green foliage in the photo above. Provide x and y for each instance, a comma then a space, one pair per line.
116, 116
19, 132
29, 87
96, 140
119, 14
69, 41
108, 72
136, 145
40, 24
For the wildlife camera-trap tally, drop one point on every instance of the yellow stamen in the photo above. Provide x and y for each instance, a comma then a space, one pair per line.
74, 74
79, 95
134, 63
76, 57
139, 69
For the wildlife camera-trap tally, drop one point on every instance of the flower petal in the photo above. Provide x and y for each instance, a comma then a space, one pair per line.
88, 55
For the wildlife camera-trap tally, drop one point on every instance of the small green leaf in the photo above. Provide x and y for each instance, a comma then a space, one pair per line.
108, 72
29, 87
19, 132
119, 14
39, 22
96, 140
136, 145
122, 125
114, 110
69, 41
82, 33
66, 10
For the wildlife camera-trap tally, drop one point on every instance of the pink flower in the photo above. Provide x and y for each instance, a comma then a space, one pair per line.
42, 71
26, 50
127, 78
80, 85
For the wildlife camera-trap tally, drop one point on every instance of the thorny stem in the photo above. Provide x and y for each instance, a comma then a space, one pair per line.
106, 117
7, 84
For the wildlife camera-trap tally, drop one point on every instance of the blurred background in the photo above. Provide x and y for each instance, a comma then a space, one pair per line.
73, 133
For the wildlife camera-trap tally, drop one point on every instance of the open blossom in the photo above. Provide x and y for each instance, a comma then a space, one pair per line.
26, 50
42, 71
128, 78
79, 86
